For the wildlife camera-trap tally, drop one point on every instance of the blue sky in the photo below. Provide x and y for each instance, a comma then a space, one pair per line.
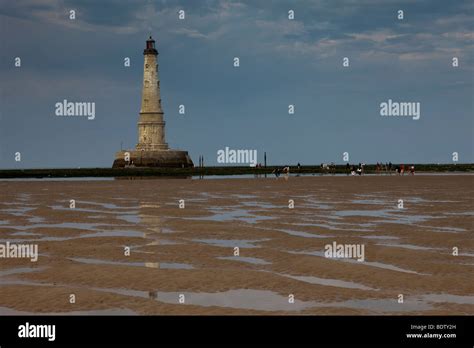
282, 62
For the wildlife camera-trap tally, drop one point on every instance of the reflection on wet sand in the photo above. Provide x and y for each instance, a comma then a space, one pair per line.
128, 248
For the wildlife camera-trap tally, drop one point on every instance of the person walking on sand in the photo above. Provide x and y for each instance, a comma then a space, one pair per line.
402, 169
412, 170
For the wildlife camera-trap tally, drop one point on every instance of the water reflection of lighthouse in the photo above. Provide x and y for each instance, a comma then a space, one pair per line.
149, 220
153, 226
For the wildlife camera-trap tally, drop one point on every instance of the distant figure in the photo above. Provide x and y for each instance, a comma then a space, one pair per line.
412, 170
353, 170
153, 295
276, 172
402, 169
299, 166
286, 170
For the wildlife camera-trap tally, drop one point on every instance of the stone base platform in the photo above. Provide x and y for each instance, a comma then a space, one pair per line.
162, 158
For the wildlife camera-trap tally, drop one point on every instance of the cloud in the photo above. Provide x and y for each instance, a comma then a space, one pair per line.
119, 18
192, 33
464, 36
281, 27
325, 29
458, 19
376, 36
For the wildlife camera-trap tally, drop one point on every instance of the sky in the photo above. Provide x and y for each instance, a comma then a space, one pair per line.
282, 62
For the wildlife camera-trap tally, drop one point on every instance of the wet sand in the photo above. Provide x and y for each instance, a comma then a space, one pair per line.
190, 251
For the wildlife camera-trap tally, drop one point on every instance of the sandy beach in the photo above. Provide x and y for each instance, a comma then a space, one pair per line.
187, 254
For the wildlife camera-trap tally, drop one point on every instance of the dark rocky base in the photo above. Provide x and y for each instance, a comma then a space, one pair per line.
154, 159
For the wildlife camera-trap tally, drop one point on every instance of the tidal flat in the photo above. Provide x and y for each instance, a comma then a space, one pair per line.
168, 246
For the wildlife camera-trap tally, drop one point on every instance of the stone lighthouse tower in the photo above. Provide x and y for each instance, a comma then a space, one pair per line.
151, 126
152, 149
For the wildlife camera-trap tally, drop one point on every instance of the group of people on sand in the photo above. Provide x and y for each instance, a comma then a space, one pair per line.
284, 170
401, 169
353, 170
380, 168
356, 169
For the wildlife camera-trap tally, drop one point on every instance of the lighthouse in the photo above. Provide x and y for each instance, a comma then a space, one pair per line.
152, 149
151, 126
